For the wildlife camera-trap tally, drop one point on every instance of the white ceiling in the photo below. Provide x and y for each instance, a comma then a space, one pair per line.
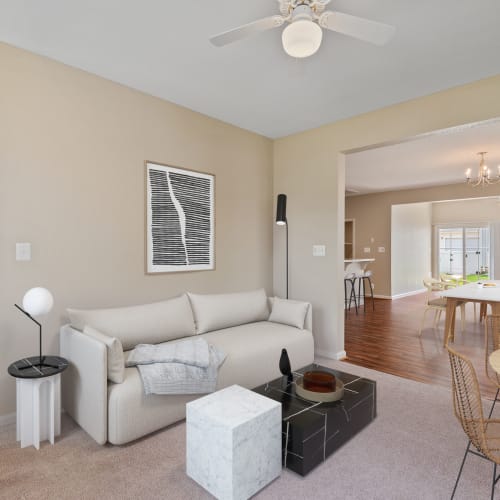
162, 48
433, 159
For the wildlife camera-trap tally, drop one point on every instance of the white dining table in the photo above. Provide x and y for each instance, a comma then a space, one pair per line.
486, 293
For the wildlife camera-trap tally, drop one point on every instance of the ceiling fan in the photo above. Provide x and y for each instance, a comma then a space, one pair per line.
302, 37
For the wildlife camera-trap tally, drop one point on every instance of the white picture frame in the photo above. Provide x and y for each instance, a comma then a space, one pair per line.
180, 219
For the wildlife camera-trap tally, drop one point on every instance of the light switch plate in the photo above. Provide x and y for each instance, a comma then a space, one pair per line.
381, 249
367, 250
23, 251
319, 250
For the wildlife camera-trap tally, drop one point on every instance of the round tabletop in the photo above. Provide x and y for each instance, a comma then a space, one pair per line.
494, 360
32, 368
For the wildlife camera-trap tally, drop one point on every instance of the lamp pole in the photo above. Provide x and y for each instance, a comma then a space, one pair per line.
286, 225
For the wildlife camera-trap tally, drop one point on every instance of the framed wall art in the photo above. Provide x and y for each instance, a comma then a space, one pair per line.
180, 219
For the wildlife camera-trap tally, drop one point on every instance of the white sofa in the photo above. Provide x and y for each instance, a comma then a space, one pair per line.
237, 324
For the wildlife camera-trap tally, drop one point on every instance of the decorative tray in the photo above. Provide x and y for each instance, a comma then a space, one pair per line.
320, 387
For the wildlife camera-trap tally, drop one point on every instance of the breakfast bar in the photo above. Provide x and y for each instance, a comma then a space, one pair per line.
355, 269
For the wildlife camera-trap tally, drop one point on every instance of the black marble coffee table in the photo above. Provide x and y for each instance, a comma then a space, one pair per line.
313, 431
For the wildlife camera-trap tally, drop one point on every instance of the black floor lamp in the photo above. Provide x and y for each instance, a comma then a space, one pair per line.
282, 221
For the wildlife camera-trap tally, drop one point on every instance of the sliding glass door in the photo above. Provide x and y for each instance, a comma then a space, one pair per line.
464, 251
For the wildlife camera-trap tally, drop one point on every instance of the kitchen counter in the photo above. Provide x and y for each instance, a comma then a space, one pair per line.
356, 265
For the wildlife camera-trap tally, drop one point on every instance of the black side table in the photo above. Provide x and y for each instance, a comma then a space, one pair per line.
38, 398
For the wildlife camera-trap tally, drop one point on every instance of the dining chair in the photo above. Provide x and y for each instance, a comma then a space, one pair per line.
483, 434
492, 343
437, 304
453, 282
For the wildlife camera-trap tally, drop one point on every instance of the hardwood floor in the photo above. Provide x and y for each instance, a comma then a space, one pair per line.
387, 340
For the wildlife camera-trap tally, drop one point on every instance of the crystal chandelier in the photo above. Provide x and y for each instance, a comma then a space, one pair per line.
483, 174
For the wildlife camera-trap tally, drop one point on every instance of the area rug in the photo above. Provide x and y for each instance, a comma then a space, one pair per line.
412, 450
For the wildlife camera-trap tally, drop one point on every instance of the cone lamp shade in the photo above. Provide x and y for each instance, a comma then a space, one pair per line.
281, 210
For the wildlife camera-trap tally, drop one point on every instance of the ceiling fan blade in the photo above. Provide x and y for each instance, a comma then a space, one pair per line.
357, 27
246, 30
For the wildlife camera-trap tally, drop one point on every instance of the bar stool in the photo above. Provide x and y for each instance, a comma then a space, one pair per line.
351, 278
362, 278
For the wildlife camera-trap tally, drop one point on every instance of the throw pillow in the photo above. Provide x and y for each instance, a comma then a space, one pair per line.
289, 312
114, 351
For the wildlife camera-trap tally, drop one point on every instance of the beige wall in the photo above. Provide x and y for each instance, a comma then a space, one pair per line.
310, 168
467, 211
72, 148
373, 219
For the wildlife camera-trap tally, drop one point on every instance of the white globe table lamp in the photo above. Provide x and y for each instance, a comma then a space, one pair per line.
37, 302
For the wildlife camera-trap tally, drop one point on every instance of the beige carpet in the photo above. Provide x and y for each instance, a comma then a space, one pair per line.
411, 451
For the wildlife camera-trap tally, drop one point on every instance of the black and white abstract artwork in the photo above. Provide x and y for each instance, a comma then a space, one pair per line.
180, 219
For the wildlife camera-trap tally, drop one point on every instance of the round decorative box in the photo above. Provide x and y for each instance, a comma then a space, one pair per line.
320, 386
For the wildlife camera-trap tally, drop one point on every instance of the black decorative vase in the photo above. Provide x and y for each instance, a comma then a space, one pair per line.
285, 367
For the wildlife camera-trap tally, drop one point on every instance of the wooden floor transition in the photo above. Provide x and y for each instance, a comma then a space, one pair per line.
387, 340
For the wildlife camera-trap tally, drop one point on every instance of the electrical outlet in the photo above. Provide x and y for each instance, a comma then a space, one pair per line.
381, 249
367, 250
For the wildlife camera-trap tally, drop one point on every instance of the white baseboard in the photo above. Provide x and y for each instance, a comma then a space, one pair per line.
408, 294
400, 295
10, 418
330, 354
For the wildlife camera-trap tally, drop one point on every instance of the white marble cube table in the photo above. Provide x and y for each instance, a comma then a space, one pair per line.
233, 442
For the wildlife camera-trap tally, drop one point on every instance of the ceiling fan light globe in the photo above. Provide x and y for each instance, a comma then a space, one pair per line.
302, 38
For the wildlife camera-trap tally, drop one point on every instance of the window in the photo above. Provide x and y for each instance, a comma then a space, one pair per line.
464, 251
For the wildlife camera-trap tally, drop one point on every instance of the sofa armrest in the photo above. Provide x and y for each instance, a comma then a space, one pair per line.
84, 383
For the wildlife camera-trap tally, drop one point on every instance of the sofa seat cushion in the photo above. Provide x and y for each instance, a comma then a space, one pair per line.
253, 351
144, 324
132, 414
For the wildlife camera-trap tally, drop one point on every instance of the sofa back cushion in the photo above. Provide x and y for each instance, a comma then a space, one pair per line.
217, 311
144, 324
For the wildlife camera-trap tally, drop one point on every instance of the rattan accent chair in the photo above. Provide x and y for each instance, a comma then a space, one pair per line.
492, 343
483, 434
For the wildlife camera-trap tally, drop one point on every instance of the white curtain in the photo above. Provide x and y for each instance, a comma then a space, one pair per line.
495, 250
